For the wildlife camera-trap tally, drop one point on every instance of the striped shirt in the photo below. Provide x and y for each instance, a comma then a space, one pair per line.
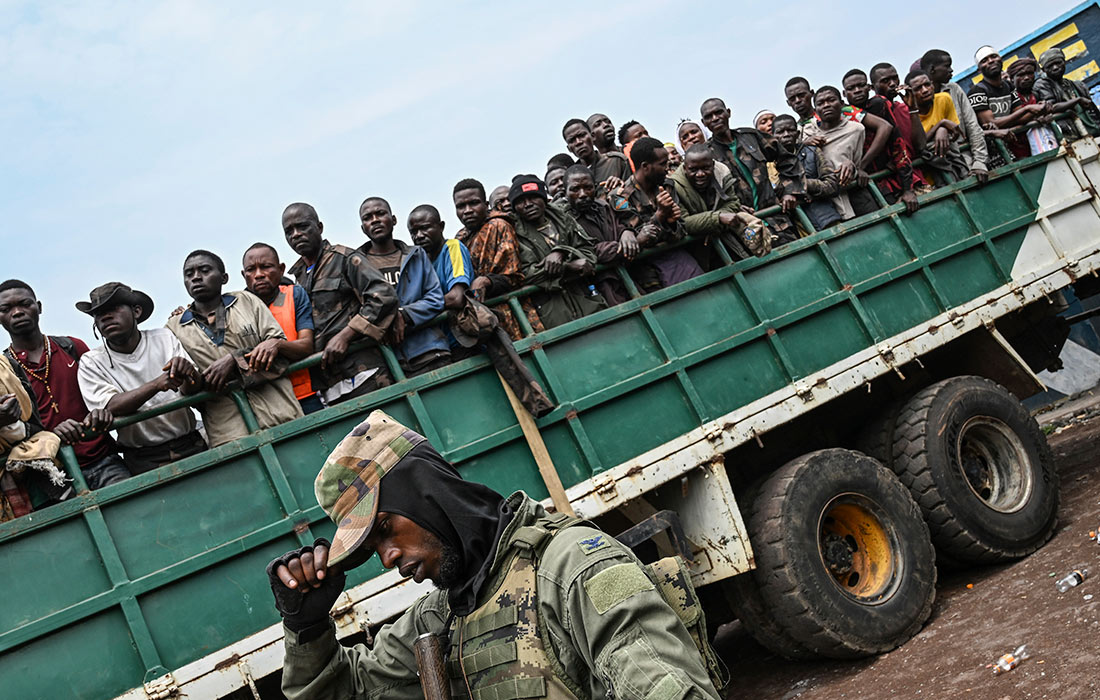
453, 265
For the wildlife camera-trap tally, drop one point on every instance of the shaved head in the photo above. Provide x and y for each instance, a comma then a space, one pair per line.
303, 208
711, 101
428, 209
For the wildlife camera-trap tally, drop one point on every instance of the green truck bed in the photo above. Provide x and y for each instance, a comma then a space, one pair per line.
164, 573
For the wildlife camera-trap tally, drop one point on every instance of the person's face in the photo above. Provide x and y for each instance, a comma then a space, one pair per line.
764, 123
262, 272
555, 182
786, 132
498, 200
923, 90
414, 551
426, 230
1055, 68
603, 131
202, 278
302, 231
579, 141
674, 158
377, 220
715, 116
530, 208
941, 72
800, 100
690, 134
19, 311
856, 90
990, 66
471, 209
580, 190
118, 323
828, 106
887, 82
699, 168
1025, 78
636, 132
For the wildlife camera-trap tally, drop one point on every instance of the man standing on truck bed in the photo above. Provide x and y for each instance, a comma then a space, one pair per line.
138, 370
419, 294
489, 233
1061, 93
220, 331
526, 600
351, 301
290, 305
50, 364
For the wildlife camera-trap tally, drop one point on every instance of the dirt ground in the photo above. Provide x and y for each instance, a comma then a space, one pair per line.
971, 627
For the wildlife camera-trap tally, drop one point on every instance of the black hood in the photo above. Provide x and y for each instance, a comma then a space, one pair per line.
468, 516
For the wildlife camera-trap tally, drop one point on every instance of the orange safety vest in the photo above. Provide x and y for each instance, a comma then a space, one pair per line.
283, 311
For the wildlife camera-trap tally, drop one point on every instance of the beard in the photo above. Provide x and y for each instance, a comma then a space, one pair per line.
450, 568
584, 205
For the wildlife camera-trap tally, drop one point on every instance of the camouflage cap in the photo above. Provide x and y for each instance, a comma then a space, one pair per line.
347, 485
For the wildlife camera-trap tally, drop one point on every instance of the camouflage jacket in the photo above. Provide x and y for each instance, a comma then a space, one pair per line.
612, 638
702, 211
633, 209
346, 290
750, 173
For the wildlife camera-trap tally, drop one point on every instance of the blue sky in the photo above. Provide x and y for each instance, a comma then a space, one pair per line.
136, 132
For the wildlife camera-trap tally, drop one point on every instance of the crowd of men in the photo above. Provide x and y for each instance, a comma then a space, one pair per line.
617, 194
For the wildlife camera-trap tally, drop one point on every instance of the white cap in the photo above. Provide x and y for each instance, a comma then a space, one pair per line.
981, 53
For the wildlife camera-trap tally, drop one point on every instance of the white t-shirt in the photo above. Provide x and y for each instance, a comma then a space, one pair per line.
102, 376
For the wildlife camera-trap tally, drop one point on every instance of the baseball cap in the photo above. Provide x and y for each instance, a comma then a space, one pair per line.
348, 483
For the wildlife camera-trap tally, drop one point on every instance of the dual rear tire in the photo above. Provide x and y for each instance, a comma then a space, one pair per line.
845, 563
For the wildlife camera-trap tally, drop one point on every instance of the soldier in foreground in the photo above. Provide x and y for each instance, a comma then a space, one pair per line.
528, 604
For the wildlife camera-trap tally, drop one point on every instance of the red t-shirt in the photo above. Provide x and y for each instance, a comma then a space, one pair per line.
66, 394
904, 123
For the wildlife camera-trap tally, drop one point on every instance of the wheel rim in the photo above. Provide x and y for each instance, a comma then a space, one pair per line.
995, 464
859, 548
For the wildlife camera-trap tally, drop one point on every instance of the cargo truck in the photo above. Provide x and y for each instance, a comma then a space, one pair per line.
813, 431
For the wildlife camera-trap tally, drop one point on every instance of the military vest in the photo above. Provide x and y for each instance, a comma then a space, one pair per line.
497, 651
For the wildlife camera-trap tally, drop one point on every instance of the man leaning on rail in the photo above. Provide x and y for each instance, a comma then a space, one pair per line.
528, 604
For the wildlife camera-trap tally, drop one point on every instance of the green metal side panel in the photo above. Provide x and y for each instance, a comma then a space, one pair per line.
115, 587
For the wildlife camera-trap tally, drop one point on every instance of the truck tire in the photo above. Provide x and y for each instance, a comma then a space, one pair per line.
876, 439
845, 565
979, 468
743, 597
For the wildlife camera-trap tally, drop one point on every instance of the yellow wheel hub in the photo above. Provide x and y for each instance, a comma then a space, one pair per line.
857, 549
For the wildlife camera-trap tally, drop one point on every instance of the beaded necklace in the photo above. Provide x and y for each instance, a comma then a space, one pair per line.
44, 377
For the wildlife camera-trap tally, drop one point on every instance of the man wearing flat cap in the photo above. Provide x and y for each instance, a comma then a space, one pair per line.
1061, 93
138, 370
528, 604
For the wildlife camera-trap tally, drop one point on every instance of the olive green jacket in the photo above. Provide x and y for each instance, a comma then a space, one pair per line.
614, 639
702, 219
565, 297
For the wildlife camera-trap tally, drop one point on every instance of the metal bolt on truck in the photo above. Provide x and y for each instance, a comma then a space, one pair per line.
812, 431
